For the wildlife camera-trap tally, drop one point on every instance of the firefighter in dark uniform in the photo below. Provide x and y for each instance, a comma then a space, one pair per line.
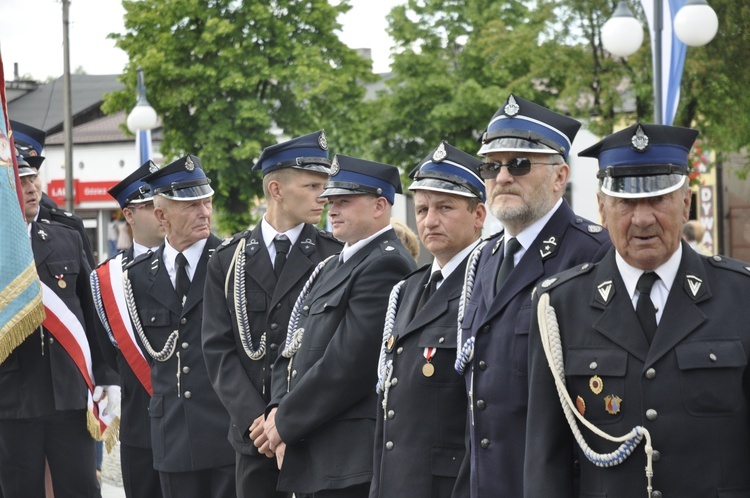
30, 143
419, 436
266, 267
121, 347
652, 344
321, 420
164, 291
46, 408
525, 147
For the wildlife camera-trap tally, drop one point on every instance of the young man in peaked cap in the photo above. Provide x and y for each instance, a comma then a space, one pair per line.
188, 422
321, 418
654, 340
30, 144
421, 419
525, 149
122, 348
245, 322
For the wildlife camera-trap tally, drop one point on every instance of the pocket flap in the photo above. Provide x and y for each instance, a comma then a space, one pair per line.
63, 267
438, 337
324, 302
155, 317
726, 353
592, 361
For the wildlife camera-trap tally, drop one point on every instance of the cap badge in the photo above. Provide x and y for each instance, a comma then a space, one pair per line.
440, 153
189, 165
335, 166
511, 108
153, 168
640, 139
323, 141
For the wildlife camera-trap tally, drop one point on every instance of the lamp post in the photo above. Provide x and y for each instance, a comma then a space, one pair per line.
141, 120
695, 24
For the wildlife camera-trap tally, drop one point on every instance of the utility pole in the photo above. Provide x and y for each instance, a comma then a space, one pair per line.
67, 109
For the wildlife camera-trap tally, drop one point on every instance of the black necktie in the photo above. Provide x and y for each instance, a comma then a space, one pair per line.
645, 308
282, 245
429, 289
508, 263
182, 281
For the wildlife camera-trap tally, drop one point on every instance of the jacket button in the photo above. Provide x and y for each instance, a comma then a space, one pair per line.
651, 414
484, 443
593, 365
400, 350
391, 414
294, 374
51, 340
273, 346
655, 456
153, 319
650, 373
482, 365
394, 381
183, 321
481, 404
186, 370
278, 306
185, 345
712, 357
305, 308
274, 326
389, 445
656, 494
441, 340
486, 329
188, 394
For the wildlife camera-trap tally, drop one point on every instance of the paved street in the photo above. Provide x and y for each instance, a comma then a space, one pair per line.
111, 477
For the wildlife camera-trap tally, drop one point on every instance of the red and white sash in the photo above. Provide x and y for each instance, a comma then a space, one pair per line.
113, 299
70, 333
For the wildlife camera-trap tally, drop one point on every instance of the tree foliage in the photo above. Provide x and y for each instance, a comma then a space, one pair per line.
221, 73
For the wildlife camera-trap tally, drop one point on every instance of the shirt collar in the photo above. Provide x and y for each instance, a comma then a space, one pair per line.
192, 254
451, 265
529, 234
270, 233
139, 249
350, 250
666, 272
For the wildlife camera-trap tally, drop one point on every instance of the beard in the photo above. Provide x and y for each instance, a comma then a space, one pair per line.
534, 205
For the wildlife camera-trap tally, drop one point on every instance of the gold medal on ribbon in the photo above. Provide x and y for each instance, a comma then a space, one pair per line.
428, 369
60, 281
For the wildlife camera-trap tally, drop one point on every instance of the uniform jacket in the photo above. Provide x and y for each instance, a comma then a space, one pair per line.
40, 377
188, 422
419, 436
327, 418
500, 326
71, 220
243, 384
135, 423
690, 388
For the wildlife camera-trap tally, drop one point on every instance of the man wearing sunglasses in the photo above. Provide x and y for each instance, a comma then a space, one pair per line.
525, 148
121, 349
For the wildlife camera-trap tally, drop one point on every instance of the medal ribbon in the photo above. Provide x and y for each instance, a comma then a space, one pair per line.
429, 353
113, 299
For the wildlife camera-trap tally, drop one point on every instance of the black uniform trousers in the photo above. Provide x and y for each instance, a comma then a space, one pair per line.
139, 478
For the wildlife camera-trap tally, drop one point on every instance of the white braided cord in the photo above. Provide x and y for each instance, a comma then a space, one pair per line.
169, 346
390, 320
465, 351
99, 305
550, 335
237, 267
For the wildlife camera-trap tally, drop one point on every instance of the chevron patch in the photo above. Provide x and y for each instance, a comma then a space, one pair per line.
694, 285
605, 291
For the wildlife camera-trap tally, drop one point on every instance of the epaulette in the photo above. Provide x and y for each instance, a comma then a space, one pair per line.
389, 246
550, 283
229, 241
143, 257
588, 227
729, 264
55, 223
329, 236
61, 213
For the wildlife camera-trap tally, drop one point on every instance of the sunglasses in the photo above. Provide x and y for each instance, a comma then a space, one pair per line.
518, 166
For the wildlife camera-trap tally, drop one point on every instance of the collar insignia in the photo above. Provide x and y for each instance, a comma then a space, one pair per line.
548, 247
604, 292
694, 285
42, 234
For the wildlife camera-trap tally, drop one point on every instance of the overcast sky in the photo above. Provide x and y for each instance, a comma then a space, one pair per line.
31, 35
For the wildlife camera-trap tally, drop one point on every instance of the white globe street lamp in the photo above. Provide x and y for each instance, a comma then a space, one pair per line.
143, 116
695, 24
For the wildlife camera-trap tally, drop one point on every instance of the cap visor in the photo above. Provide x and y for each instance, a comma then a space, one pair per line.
193, 193
330, 192
24, 171
513, 144
441, 186
315, 168
635, 187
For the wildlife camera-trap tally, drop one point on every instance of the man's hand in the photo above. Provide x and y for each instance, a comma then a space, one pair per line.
280, 450
259, 438
269, 429
112, 393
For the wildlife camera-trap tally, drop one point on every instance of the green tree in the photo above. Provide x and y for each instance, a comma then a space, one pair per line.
221, 73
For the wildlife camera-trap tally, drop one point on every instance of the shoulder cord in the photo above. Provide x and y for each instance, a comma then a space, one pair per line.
465, 352
294, 335
237, 266
385, 368
99, 305
169, 346
550, 334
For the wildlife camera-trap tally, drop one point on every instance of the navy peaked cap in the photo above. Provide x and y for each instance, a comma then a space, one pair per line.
353, 176
133, 190
308, 152
182, 180
449, 170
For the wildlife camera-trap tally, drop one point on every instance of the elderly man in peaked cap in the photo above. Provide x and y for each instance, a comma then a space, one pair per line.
526, 149
188, 422
419, 436
321, 418
652, 345
245, 322
123, 350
